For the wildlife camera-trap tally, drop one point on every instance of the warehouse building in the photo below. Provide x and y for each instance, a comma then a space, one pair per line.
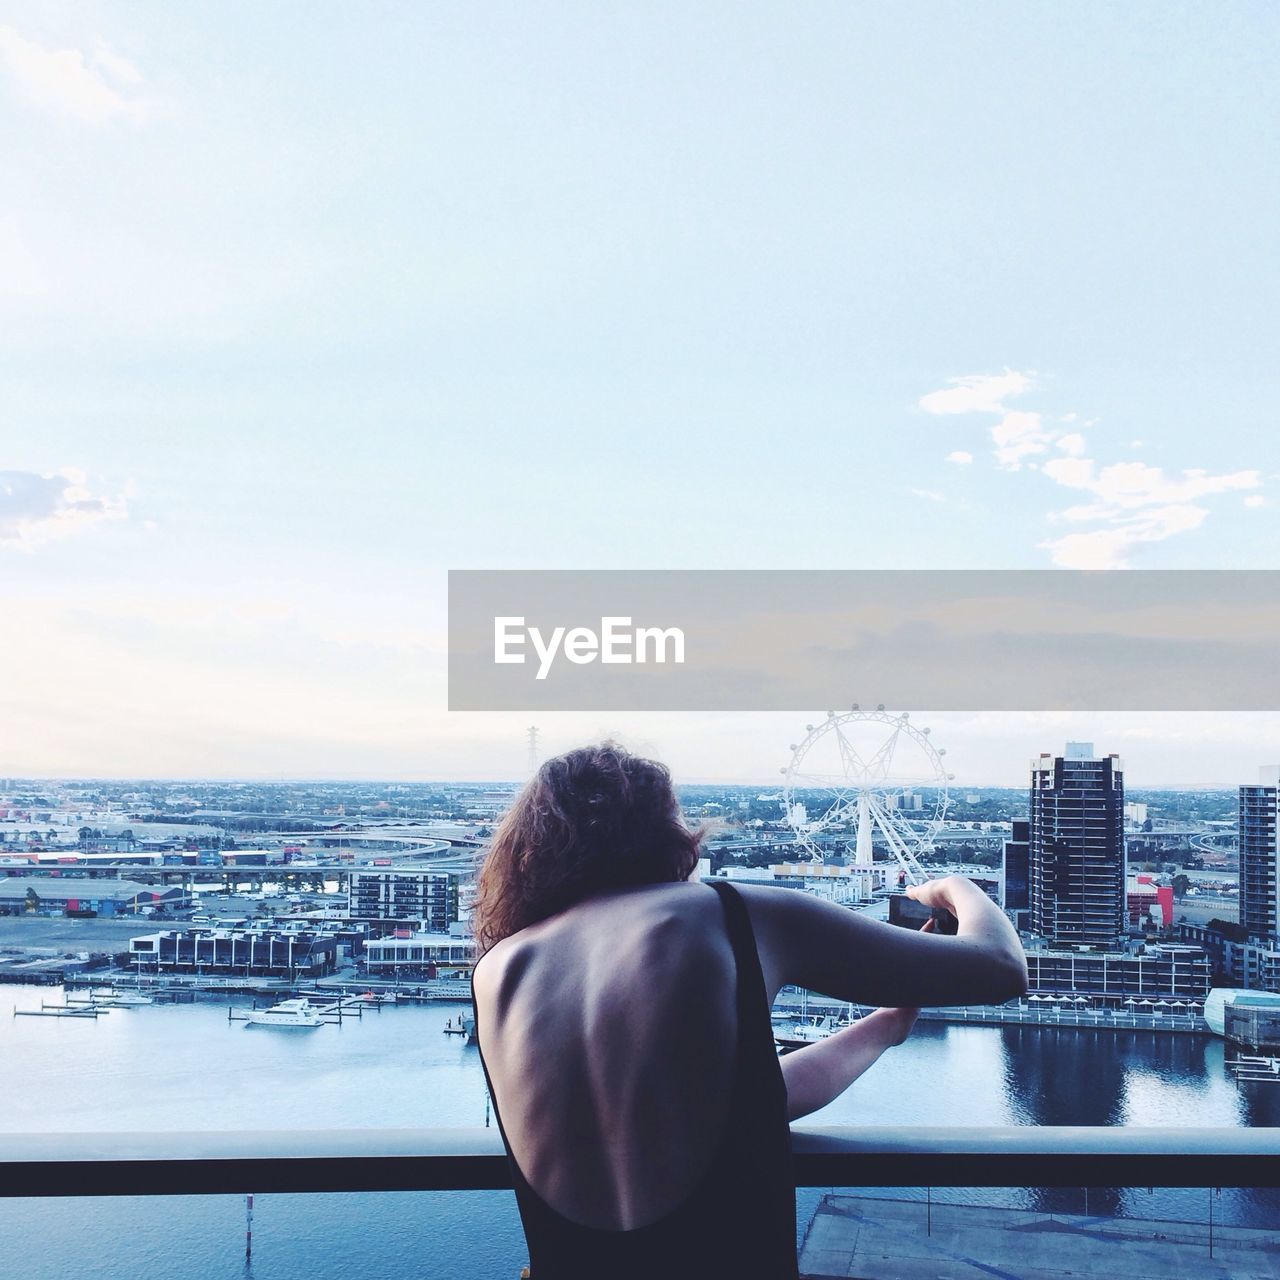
79, 895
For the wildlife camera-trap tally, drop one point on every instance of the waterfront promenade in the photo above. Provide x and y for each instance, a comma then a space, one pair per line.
1028, 1011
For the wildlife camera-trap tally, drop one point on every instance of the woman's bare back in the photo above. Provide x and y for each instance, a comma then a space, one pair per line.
609, 1031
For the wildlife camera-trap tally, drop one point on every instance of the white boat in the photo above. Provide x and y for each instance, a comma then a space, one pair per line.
106, 998
800, 1033
288, 1013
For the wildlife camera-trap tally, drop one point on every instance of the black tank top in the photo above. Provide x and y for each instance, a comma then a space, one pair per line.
740, 1219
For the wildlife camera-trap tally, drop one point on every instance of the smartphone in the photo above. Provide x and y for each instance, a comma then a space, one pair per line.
910, 914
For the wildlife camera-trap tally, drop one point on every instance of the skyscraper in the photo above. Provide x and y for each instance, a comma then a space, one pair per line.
1016, 872
1259, 907
1076, 855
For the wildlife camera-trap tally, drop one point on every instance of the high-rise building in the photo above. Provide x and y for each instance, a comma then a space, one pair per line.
1076, 852
1259, 901
1015, 868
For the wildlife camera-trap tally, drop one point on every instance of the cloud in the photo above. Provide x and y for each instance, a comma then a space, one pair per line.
1129, 485
1111, 547
1075, 473
931, 494
1135, 503
97, 89
961, 457
976, 393
1017, 436
1131, 503
35, 508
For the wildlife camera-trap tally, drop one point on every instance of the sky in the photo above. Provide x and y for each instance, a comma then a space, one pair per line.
306, 304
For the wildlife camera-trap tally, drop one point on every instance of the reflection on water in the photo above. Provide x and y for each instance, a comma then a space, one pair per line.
186, 1067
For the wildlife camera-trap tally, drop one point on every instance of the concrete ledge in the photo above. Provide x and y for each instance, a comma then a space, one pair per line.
229, 1162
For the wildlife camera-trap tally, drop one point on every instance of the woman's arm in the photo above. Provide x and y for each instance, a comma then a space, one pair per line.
820, 1072
847, 955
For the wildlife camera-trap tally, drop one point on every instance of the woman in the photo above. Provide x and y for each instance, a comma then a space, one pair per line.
622, 1013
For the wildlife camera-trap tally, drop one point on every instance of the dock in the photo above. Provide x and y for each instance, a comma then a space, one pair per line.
1246, 1067
860, 1236
59, 1011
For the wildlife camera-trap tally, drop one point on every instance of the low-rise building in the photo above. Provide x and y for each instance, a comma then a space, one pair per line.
1168, 971
81, 895
248, 952
1144, 896
1248, 963
415, 954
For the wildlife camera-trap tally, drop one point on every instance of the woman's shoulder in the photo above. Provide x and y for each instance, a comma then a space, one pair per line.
606, 927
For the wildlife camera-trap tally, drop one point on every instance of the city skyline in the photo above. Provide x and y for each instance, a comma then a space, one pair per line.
767, 778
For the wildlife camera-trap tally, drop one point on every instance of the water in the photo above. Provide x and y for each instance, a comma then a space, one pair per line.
185, 1067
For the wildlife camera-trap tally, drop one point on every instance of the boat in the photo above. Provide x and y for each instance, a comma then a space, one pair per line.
107, 998
125, 999
801, 1032
299, 1012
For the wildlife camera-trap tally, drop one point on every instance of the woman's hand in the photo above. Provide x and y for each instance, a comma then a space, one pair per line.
937, 893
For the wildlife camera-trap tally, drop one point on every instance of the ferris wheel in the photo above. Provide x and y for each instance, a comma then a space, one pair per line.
867, 774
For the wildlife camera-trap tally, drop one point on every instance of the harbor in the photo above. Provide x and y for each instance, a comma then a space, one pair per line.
173, 1067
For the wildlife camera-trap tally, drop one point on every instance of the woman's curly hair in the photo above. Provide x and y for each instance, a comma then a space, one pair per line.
593, 819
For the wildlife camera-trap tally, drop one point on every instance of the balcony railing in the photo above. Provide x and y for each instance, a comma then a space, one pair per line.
462, 1159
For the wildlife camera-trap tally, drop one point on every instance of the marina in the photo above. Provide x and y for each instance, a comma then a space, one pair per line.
186, 1065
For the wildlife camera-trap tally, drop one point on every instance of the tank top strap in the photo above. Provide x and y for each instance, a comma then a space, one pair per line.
752, 996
